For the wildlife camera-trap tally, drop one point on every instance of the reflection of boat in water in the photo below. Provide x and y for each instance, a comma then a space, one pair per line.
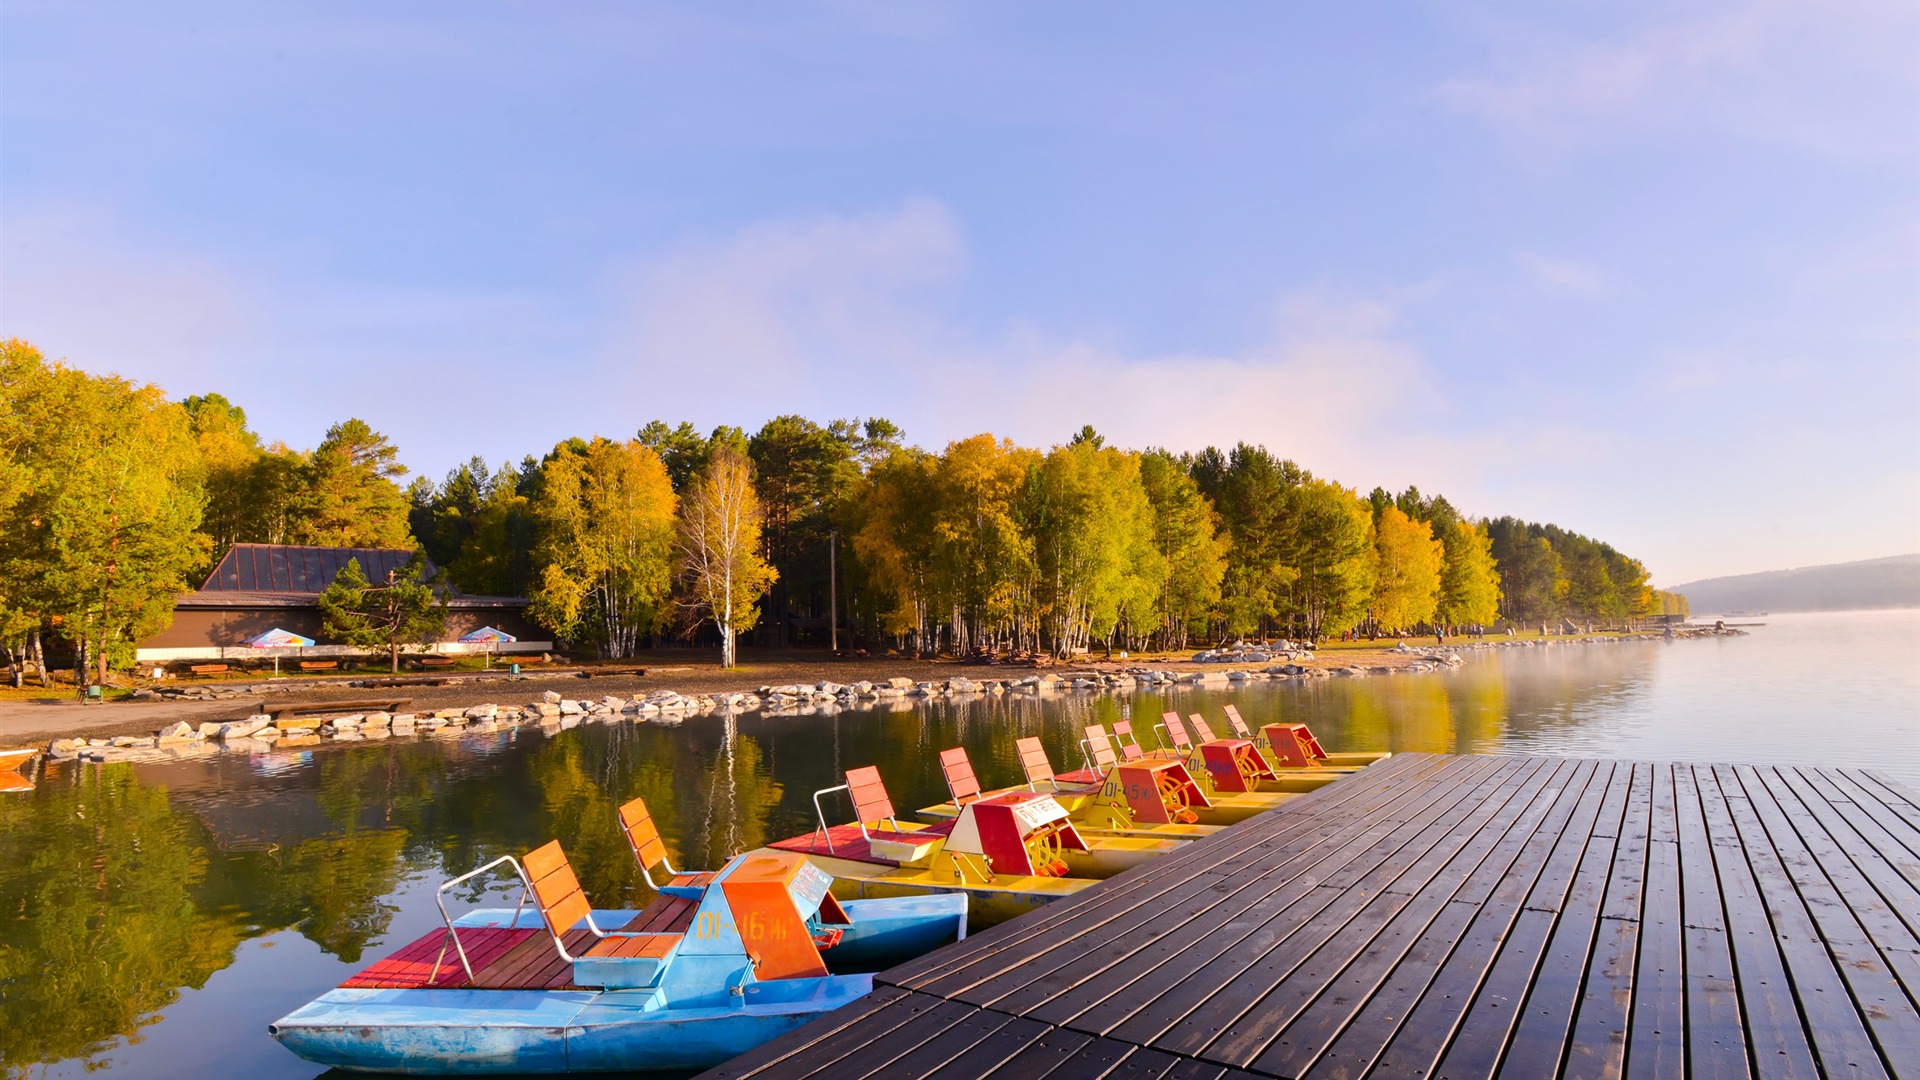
720, 963
16, 769
1008, 853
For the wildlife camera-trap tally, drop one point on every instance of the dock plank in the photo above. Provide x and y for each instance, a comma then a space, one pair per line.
1889, 1013
1442, 916
1597, 1042
1415, 949
1838, 1033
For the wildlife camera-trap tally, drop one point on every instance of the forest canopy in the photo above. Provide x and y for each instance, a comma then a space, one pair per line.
115, 499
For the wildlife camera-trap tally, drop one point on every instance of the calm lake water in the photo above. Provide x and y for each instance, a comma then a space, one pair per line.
154, 919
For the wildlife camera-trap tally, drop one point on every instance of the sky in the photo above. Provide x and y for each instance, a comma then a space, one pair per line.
1648, 271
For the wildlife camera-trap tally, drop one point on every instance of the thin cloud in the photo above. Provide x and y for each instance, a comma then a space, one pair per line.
1826, 77
1562, 275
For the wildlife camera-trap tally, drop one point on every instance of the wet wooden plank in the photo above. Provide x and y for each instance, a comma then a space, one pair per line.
1539, 1040
1839, 1035
1512, 917
1419, 1043
1886, 904
1657, 1034
1039, 1058
1101, 1009
1065, 989
827, 1040
1890, 1014
1187, 1015
1020, 941
884, 1056
1508, 872
1232, 1027
1597, 1042
1894, 839
1716, 1032
1537, 892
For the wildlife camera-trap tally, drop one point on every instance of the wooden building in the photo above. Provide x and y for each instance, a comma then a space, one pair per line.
260, 587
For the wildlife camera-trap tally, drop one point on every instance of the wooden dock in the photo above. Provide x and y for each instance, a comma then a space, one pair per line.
1449, 917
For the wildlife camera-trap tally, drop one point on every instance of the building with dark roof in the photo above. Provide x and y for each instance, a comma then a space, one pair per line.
261, 587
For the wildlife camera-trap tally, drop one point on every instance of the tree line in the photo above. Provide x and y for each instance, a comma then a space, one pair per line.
115, 497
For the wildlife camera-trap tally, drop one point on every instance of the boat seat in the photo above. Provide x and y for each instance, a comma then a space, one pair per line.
1033, 762
643, 836
962, 784
1123, 737
616, 960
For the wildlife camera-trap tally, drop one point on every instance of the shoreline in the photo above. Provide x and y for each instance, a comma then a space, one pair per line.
165, 730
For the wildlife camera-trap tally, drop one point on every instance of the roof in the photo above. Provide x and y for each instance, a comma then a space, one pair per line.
235, 598
298, 569
292, 575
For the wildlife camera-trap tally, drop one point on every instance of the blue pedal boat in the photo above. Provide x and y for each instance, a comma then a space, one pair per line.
719, 964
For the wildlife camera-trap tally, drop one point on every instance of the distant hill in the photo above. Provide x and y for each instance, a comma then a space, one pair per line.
1856, 586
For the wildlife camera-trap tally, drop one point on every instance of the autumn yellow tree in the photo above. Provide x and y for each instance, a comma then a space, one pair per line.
891, 515
605, 513
983, 557
1407, 562
104, 494
719, 547
1469, 580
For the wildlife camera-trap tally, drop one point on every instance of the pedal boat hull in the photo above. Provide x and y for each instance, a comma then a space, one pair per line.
481, 1032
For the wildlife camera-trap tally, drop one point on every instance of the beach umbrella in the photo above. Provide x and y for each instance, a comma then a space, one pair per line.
277, 638
489, 636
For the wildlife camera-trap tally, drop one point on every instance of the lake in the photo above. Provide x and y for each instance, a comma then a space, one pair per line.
155, 918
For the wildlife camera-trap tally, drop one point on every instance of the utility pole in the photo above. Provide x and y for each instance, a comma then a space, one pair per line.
833, 590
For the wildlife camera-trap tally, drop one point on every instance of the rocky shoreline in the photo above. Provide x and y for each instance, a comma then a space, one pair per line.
261, 732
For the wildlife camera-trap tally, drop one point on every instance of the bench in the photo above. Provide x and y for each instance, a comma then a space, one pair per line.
302, 708
319, 665
434, 661
209, 669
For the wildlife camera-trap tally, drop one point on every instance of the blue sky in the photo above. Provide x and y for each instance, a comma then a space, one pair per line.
1648, 271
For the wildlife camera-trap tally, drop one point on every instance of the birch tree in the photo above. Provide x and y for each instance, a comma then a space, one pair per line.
719, 546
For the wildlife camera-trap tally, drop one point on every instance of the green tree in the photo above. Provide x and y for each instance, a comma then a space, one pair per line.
1407, 563
719, 547
1533, 584
1251, 489
479, 528
350, 497
801, 472
1192, 554
105, 494
404, 610
684, 451
1326, 541
1469, 579
606, 519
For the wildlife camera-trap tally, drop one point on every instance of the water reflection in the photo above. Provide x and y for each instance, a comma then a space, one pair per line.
157, 916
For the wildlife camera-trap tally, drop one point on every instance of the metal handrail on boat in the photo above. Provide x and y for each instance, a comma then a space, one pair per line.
440, 898
821, 812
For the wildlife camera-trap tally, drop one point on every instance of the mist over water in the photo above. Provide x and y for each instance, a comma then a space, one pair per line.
154, 919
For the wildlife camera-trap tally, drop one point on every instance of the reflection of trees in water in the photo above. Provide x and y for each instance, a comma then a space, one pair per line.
100, 924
